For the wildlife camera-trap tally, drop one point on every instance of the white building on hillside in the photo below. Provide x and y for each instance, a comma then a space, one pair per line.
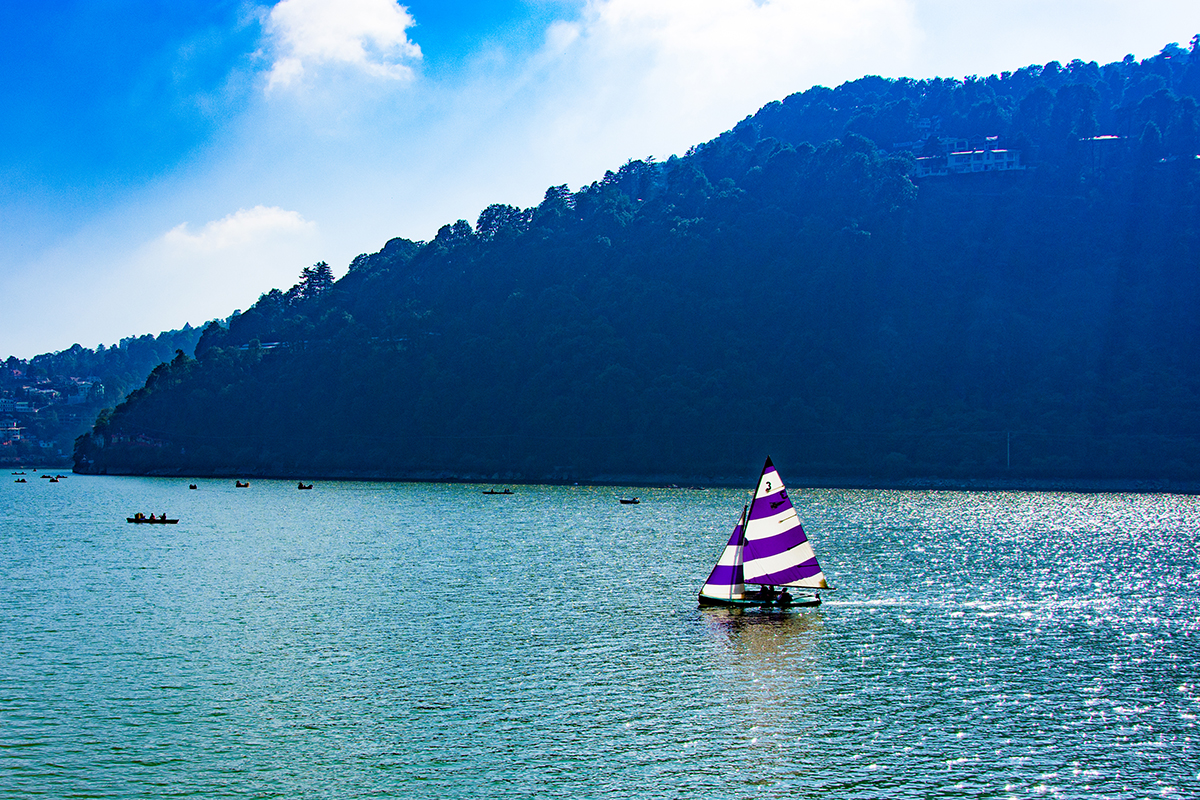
961, 158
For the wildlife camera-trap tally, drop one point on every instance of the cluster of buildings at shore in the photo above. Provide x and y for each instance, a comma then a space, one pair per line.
23, 399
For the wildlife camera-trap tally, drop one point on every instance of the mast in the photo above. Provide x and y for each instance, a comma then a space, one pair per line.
738, 576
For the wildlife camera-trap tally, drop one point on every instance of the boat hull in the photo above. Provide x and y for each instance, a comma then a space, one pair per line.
804, 601
137, 521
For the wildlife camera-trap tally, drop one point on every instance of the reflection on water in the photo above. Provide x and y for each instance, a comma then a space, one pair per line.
371, 640
754, 635
770, 670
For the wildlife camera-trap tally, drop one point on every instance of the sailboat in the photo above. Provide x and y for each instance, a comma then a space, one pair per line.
768, 549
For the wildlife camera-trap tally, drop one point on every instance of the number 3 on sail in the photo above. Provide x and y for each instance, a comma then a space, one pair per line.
768, 550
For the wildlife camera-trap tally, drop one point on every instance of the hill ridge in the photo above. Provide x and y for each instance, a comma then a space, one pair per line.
761, 292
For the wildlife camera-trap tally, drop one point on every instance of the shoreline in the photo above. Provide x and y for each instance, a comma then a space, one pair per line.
676, 481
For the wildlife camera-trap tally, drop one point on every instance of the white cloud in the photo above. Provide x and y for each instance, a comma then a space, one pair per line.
114, 279
243, 227
226, 263
630, 78
368, 35
707, 54
713, 35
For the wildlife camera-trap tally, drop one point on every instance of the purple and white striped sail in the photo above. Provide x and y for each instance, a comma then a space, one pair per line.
725, 582
776, 551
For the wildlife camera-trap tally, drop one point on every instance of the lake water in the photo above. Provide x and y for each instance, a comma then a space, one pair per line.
367, 640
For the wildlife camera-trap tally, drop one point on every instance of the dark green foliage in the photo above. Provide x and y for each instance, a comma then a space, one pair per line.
120, 368
784, 288
84, 380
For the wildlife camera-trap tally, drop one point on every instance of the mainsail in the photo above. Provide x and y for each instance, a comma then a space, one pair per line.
776, 552
725, 582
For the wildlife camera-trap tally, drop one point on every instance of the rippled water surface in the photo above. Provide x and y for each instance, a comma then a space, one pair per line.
402, 640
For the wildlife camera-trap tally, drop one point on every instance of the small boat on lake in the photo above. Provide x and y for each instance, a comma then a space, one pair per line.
768, 549
304, 485
241, 485
191, 486
629, 501
142, 519
20, 480
493, 491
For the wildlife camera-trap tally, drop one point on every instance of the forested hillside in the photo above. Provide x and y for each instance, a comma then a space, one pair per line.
49, 400
121, 367
786, 287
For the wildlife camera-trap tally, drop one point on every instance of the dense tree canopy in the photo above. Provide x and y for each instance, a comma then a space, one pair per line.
82, 381
783, 287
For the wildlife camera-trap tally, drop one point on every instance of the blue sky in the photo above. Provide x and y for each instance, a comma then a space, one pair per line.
163, 163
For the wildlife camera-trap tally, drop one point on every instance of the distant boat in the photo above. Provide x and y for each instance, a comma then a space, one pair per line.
629, 501
191, 486
142, 519
241, 485
493, 491
768, 549
54, 480
303, 486
20, 480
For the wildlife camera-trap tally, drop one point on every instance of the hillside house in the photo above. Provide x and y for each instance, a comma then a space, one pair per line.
964, 157
10, 432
